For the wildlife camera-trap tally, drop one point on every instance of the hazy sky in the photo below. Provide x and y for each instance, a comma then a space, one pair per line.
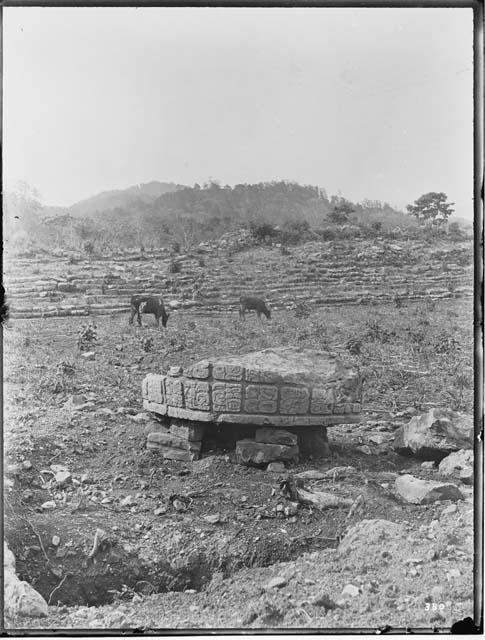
376, 103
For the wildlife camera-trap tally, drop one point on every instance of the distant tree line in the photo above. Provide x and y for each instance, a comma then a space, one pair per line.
284, 212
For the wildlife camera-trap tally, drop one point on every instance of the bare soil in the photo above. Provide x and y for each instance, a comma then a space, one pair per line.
160, 567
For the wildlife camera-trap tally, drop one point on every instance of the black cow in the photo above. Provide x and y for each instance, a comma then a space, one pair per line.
249, 303
148, 304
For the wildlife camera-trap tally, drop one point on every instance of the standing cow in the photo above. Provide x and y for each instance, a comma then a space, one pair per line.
148, 304
249, 303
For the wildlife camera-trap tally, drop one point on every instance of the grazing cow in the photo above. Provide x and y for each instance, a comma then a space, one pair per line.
249, 303
148, 304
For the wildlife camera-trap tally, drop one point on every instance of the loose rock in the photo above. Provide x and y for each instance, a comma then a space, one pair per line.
276, 467
20, 599
419, 491
62, 478
435, 434
452, 508
49, 505
311, 474
213, 518
350, 590
457, 463
276, 583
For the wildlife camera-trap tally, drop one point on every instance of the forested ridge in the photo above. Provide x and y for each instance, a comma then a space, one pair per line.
156, 213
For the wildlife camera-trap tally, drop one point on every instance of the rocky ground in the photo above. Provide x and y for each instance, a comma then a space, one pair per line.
111, 524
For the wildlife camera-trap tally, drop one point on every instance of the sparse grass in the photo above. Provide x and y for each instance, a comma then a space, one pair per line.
412, 355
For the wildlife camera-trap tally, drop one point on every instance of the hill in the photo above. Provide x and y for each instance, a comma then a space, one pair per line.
159, 214
122, 198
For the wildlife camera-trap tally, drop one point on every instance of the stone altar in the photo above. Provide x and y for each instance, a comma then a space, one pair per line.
284, 387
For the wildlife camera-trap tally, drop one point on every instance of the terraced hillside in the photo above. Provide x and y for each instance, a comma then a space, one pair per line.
210, 279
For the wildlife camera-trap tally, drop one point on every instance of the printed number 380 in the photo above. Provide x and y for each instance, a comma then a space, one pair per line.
434, 606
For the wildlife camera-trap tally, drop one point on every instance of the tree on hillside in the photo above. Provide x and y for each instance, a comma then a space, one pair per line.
431, 208
341, 212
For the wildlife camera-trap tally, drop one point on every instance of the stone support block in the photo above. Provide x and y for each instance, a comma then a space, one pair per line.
187, 430
276, 436
250, 452
173, 454
174, 442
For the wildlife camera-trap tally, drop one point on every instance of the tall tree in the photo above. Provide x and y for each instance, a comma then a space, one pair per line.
431, 208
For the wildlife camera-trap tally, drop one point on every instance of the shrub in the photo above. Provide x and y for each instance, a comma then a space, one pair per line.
62, 379
354, 346
327, 234
377, 333
89, 247
261, 231
146, 343
174, 267
294, 231
302, 310
87, 336
444, 342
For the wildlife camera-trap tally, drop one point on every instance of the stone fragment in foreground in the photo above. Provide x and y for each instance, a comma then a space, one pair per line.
276, 436
459, 465
285, 387
20, 598
258, 453
419, 491
276, 467
435, 434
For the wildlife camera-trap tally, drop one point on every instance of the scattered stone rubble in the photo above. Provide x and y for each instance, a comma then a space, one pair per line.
179, 441
70, 289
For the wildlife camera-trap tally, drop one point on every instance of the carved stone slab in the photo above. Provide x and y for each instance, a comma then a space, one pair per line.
286, 387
